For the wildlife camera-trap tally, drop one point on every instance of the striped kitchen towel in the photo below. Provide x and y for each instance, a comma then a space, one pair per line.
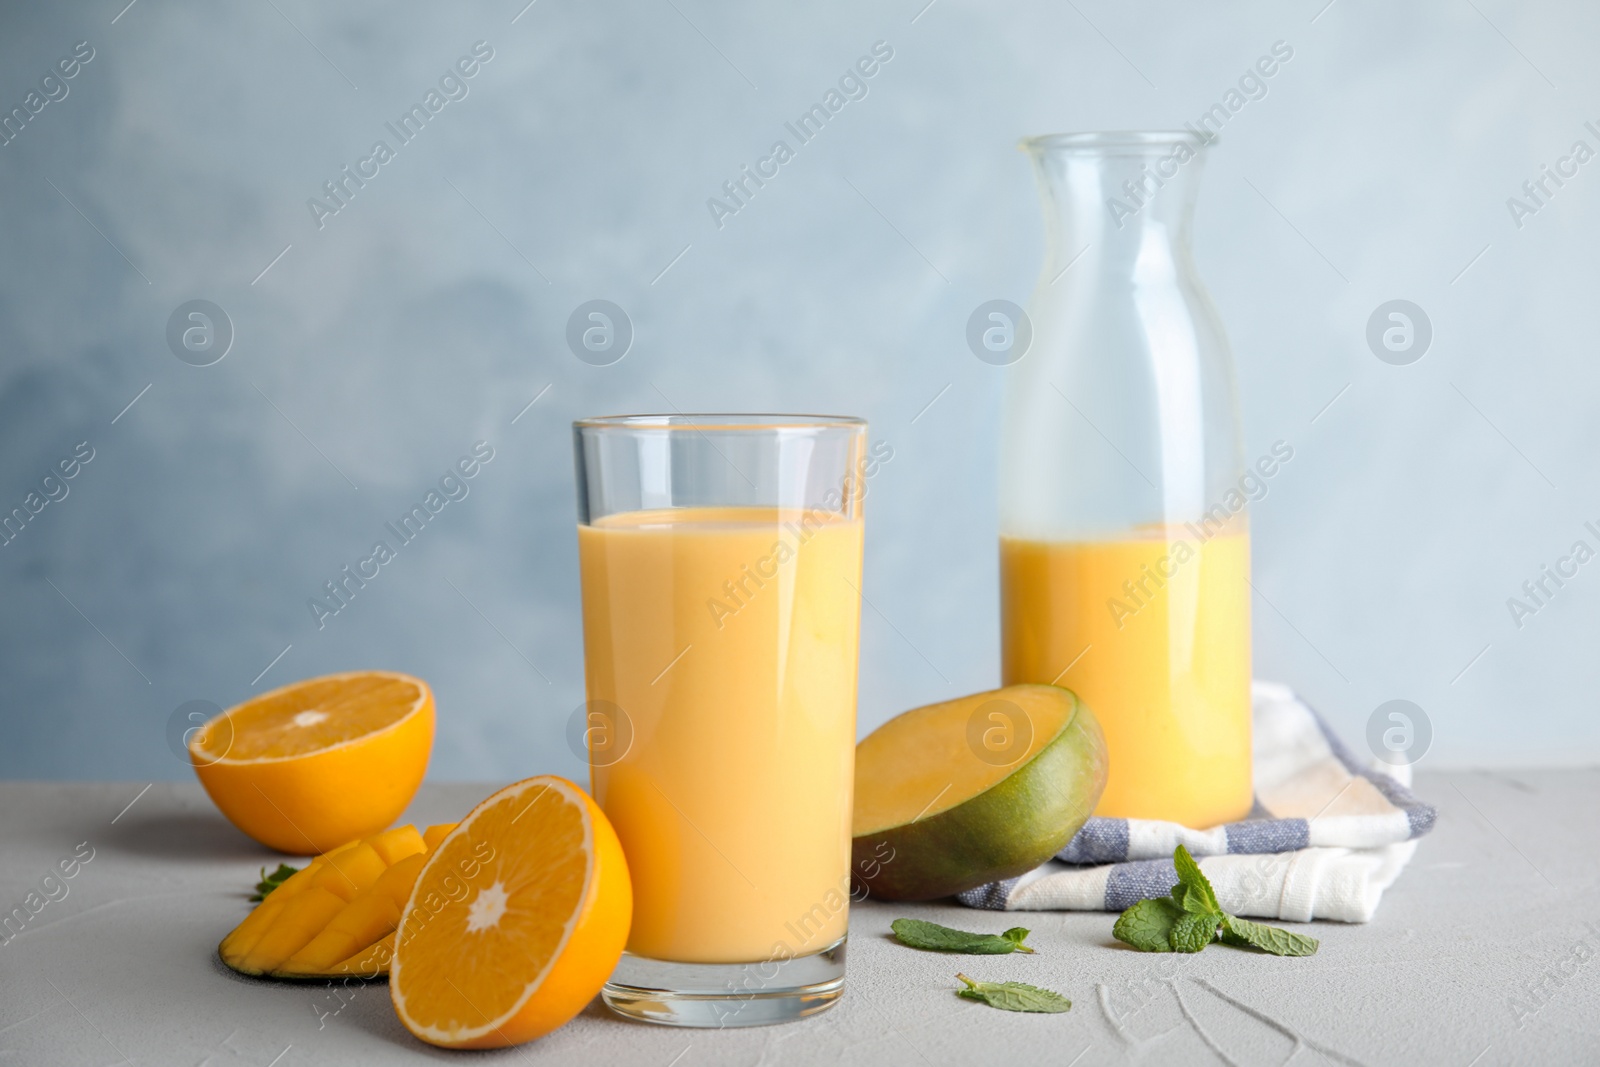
1328, 835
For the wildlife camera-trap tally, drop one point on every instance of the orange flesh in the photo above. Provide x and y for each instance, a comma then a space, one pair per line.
492, 911
310, 717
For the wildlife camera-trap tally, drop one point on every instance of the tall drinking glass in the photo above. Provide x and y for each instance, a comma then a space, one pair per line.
721, 569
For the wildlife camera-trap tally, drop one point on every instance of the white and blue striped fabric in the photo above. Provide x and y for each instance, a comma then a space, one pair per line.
1328, 835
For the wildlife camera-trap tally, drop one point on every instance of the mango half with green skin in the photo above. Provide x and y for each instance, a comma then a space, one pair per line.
955, 795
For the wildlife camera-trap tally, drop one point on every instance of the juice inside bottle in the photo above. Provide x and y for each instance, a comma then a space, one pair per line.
1123, 490
728, 638
1152, 631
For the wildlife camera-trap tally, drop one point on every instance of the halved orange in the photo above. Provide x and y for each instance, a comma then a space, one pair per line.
516, 921
313, 765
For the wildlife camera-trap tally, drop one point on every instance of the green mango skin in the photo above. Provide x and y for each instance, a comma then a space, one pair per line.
1009, 829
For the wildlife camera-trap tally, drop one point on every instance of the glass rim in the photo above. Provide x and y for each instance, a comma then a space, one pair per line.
1106, 140
700, 422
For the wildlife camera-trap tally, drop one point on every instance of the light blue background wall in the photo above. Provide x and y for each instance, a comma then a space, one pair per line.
426, 314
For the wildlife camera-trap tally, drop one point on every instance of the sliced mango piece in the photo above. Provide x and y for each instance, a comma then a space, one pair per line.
337, 915
247, 933
366, 919
434, 834
341, 850
296, 926
347, 875
360, 923
396, 882
370, 962
392, 846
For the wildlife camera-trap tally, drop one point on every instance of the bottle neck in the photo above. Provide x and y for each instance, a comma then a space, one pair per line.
1129, 207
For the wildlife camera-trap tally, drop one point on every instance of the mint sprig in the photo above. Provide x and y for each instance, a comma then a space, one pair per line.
932, 937
1013, 996
1191, 918
1147, 926
269, 882
1195, 930
1198, 897
1243, 932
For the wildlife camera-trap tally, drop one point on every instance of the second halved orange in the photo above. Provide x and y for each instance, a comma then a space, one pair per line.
516, 921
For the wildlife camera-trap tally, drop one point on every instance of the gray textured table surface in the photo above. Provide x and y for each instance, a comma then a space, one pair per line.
1481, 954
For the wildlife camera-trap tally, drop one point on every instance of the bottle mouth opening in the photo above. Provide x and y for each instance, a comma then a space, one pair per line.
1117, 142
700, 424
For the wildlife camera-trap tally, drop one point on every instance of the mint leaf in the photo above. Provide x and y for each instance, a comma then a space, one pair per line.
1242, 932
1198, 896
1147, 926
1188, 920
1015, 936
1195, 930
1013, 996
269, 882
932, 937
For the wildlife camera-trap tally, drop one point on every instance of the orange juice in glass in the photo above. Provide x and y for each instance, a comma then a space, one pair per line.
720, 559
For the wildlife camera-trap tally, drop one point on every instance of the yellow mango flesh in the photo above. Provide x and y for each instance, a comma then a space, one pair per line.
246, 934
434, 834
366, 919
392, 846
347, 875
370, 962
396, 882
337, 915
360, 923
296, 926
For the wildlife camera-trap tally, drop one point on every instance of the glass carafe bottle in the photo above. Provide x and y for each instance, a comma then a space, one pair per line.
1124, 548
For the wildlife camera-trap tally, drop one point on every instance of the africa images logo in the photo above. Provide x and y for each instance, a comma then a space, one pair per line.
342, 589
852, 86
52, 90
1252, 86
342, 189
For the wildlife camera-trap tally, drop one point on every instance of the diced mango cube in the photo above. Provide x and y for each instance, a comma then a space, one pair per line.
434, 834
346, 875
392, 846
396, 882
